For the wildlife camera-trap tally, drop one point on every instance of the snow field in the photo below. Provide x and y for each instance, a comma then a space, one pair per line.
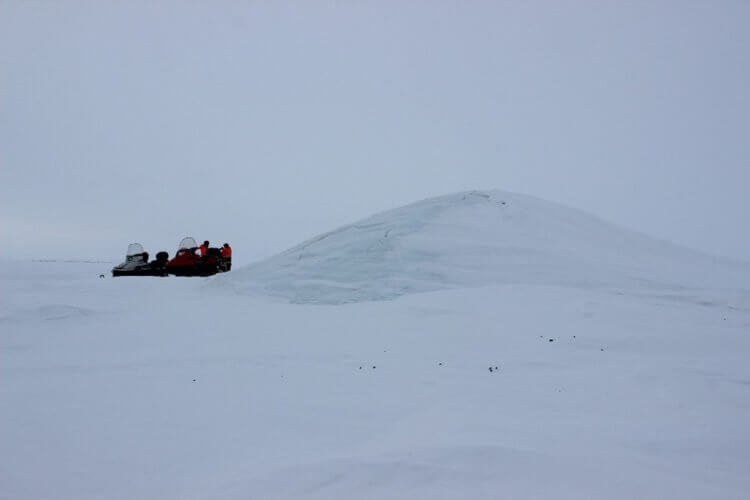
533, 352
167, 388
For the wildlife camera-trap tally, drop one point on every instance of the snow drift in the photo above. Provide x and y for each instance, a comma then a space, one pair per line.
117, 389
474, 239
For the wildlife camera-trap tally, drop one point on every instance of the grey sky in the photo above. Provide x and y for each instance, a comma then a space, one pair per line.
264, 123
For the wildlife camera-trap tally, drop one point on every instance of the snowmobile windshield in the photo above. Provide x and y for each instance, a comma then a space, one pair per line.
134, 249
187, 243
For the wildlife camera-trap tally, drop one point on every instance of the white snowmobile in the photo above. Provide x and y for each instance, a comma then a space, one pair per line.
137, 264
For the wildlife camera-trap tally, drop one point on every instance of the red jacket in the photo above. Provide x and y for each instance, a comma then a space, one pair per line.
226, 252
204, 250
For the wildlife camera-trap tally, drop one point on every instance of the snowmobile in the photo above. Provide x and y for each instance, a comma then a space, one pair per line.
188, 263
137, 264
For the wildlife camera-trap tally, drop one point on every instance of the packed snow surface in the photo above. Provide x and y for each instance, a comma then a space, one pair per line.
551, 356
473, 239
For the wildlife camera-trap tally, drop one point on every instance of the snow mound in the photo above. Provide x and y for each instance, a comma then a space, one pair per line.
474, 239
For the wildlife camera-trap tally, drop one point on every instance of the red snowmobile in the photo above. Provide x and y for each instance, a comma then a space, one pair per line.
187, 262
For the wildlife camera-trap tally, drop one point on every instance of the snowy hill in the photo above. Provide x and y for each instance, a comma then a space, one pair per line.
474, 239
593, 362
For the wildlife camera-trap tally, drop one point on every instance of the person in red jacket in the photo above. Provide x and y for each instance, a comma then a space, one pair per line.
204, 248
226, 253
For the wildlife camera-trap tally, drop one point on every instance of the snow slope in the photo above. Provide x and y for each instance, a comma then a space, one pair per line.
473, 239
557, 357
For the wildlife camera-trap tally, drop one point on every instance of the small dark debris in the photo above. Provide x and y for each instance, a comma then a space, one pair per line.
601, 350
360, 367
574, 336
551, 340
496, 368
193, 380
373, 367
490, 369
440, 364
101, 276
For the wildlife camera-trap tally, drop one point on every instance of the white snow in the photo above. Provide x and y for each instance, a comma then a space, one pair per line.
472, 239
232, 388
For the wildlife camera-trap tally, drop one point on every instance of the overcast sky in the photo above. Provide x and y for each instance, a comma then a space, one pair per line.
264, 123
